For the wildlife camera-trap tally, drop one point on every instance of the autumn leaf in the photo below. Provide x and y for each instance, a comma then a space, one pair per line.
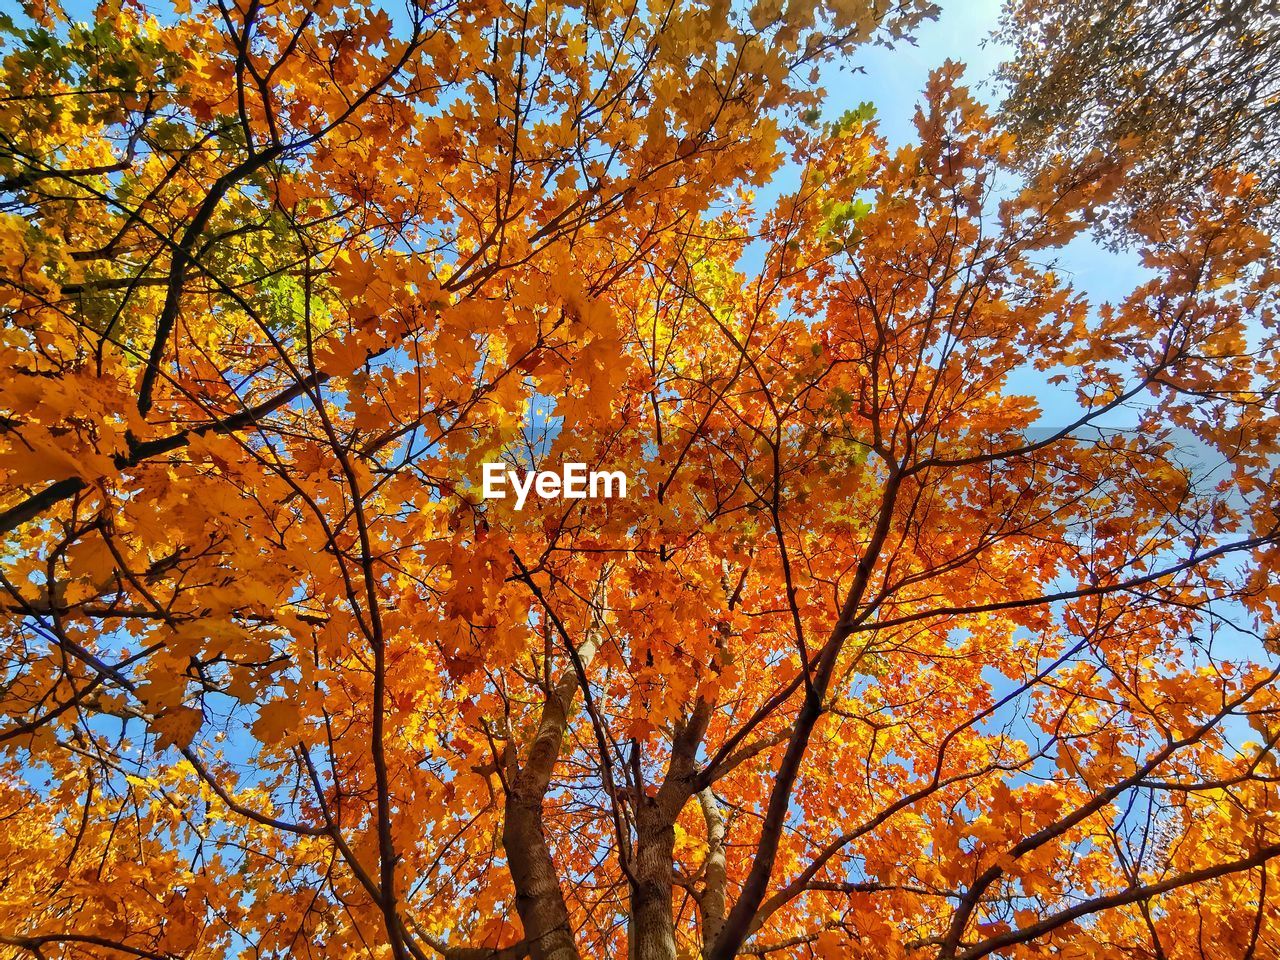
177, 726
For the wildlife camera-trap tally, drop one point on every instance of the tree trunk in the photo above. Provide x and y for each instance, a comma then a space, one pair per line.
653, 935
651, 926
713, 894
539, 900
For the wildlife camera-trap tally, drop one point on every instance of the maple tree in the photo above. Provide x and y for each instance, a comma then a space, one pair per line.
865, 664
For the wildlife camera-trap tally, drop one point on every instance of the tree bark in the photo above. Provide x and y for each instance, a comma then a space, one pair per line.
653, 935
539, 900
714, 872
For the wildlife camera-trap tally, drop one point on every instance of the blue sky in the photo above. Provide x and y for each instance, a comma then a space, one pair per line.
894, 76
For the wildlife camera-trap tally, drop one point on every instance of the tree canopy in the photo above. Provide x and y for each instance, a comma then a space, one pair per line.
870, 662
1177, 88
